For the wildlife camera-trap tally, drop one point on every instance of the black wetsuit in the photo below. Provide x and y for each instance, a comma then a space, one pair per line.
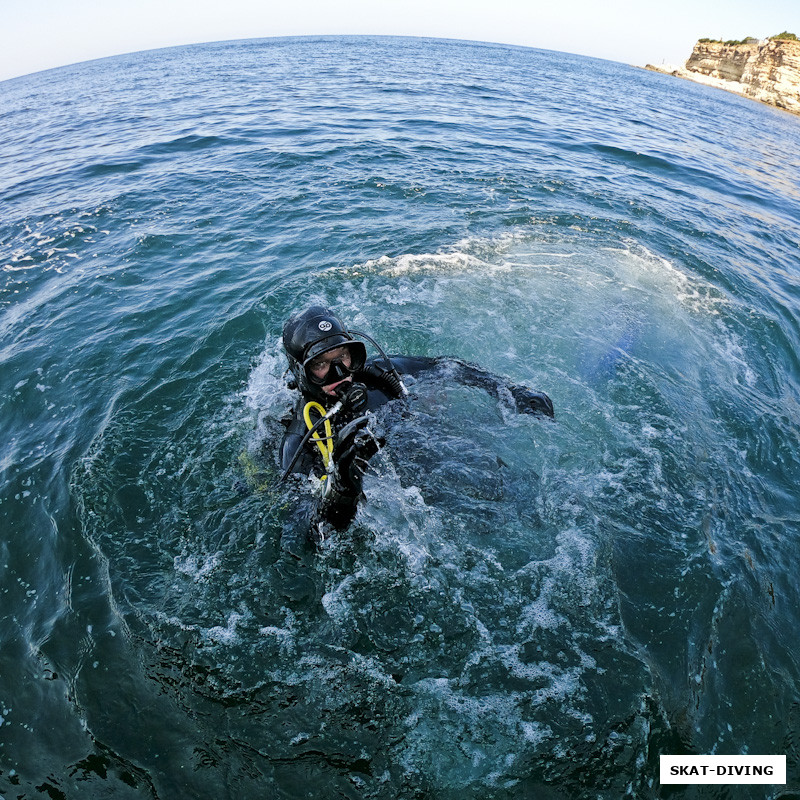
338, 507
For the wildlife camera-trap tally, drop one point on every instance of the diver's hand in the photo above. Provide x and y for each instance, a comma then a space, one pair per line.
387, 380
530, 402
336, 507
355, 446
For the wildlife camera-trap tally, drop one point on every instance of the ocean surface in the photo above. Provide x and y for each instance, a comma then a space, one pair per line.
522, 608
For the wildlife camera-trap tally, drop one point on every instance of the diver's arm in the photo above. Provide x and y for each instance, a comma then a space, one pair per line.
523, 399
292, 440
336, 506
355, 446
337, 503
526, 400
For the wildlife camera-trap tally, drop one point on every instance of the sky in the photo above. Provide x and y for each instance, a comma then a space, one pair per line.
41, 34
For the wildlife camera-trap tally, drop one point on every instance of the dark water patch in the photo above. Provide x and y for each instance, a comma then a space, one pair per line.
111, 168
190, 144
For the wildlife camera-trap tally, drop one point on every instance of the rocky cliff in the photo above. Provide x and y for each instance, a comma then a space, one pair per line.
768, 71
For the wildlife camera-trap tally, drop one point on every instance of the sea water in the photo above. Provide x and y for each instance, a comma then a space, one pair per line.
522, 608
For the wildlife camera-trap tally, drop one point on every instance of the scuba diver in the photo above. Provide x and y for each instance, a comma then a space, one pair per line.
328, 435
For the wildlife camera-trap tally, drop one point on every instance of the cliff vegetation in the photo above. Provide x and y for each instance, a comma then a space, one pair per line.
749, 39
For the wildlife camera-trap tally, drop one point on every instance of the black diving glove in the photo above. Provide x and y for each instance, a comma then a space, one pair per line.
530, 402
387, 380
355, 446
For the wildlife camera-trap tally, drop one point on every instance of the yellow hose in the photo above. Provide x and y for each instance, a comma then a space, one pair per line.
325, 443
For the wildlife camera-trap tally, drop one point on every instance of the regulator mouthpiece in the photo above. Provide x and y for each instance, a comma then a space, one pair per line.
353, 396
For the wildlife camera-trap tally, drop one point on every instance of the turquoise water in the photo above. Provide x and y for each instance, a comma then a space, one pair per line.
522, 608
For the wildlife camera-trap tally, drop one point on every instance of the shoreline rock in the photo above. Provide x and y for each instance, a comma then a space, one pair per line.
767, 71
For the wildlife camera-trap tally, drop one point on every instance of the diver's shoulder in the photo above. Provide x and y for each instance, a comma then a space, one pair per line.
407, 364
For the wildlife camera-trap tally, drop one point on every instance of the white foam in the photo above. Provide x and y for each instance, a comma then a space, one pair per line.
284, 638
226, 635
733, 355
197, 566
266, 388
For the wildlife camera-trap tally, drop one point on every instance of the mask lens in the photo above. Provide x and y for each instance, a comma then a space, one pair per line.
329, 367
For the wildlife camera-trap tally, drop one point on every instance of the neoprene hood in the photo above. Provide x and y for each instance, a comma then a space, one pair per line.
311, 333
